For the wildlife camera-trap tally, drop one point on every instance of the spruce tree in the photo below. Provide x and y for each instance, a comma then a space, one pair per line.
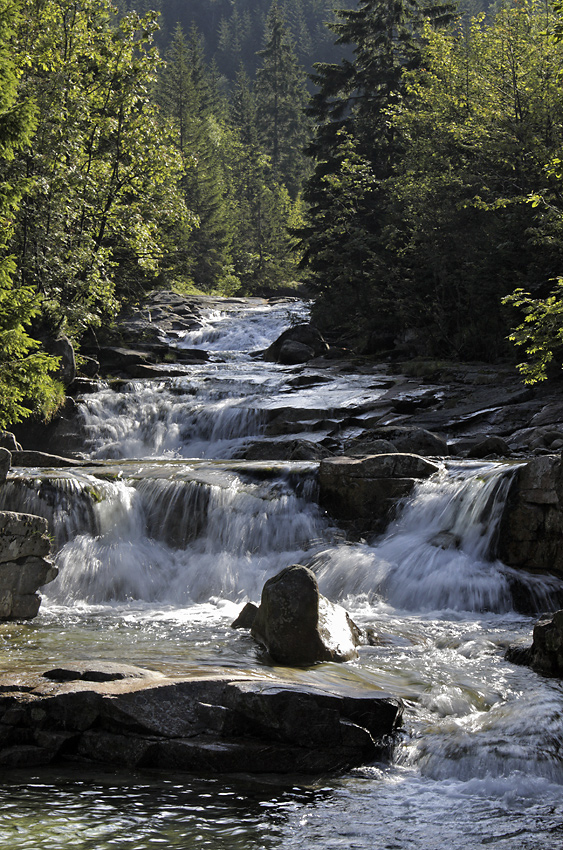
353, 132
281, 98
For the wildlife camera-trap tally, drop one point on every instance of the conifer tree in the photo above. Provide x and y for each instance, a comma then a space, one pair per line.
281, 98
351, 109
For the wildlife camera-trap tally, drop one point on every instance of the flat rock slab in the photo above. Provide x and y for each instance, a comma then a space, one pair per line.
211, 723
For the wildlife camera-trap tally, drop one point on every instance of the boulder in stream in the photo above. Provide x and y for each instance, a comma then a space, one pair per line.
24, 566
546, 653
297, 344
363, 492
299, 626
532, 524
207, 723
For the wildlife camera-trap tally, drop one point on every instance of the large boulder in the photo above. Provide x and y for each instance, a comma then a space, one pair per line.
297, 344
24, 567
531, 528
546, 653
300, 627
8, 441
363, 492
206, 723
62, 348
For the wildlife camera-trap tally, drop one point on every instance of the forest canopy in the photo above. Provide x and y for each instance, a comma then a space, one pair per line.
412, 181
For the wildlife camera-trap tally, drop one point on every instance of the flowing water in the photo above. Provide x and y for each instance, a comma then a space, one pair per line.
161, 543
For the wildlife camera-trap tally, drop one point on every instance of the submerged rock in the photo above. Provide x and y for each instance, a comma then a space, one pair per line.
206, 723
300, 627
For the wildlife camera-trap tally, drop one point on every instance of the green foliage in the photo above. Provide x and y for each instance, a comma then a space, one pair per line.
104, 174
459, 129
281, 97
541, 332
25, 383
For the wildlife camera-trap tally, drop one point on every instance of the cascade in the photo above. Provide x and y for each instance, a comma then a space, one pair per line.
161, 543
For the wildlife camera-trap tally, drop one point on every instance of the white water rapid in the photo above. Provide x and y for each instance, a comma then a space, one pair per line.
161, 544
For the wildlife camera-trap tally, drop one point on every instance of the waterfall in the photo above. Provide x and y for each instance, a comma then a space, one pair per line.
437, 554
162, 541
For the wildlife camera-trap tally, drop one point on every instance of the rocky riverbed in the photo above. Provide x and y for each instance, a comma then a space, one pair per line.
179, 473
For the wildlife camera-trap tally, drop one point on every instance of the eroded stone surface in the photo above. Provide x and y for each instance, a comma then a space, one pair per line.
300, 627
215, 723
364, 491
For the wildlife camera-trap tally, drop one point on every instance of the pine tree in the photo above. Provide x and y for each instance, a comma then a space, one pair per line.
281, 98
350, 111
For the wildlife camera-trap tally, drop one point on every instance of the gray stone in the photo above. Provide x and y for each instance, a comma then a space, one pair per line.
300, 627
22, 535
205, 723
284, 450
365, 491
98, 671
492, 445
301, 337
5, 464
245, 619
368, 446
23, 568
293, 352
531, 527
33, 459
546, 653
66, 372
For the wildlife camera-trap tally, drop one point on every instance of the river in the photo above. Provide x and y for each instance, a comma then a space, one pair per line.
160, 546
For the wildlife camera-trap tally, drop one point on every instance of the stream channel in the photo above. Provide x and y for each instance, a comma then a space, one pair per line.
161, 544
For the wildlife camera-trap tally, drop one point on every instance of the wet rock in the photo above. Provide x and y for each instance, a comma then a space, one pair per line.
245, 619
5, 464
492, 445
293, 352
59, 436
300, 627
411, 439
306, 341
364, 492
22, 535
24, 543
303, 381
368, 446
206, 723
66, 372
98, 671
531, 527
546, 653
284, 450
410, 402
31, 459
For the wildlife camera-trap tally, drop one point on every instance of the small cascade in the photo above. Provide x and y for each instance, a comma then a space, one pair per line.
72, 502
183, 535
437, 554
174, 418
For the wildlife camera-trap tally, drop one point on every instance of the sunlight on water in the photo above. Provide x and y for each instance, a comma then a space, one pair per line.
158, 555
